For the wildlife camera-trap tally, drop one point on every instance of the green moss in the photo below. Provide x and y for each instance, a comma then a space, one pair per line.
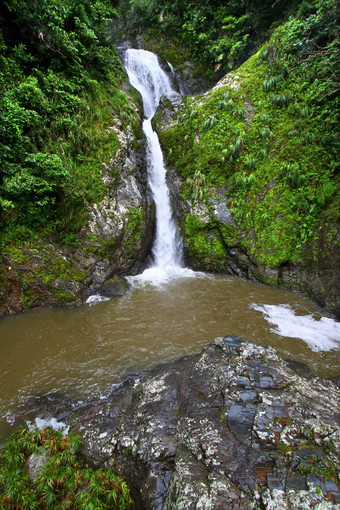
204, 245
230, 234
38, 273
319, 465
270, 143
63, 296
133, 231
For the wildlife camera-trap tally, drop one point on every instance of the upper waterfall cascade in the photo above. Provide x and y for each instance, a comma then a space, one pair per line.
146, 75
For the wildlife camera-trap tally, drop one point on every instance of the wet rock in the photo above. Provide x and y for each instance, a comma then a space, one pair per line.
335, 380
300, 368
230, 80
329, 488
190, 83
123, 221
243, 382
275, 482
297, 482
36, 463
241, 418
233, 258
248, 396
166, 114
114, 287
231, 427
250, 111
221, 211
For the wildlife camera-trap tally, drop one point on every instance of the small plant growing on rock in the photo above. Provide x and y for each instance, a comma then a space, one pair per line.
265, 118
271, 82
250, 163
197, 184
281, 99
266, 133
240, 112
210, 122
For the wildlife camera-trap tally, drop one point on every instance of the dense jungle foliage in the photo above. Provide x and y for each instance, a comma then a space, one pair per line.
59, 90
218, 35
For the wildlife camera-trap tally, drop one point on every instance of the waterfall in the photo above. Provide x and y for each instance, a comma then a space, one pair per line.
146, 75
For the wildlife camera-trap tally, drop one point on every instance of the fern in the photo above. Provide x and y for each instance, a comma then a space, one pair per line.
271, 82
265, 118
281, 100
240, 112
210, 122
266, 133
250, 163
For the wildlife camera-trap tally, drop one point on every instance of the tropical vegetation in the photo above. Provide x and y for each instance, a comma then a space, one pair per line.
62, 480
267, 136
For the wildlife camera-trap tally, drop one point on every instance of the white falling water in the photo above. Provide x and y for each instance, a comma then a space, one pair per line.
146, 75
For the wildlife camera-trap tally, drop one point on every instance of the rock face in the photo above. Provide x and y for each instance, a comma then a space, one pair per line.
190, 83
230, 428
123, 222
166, 114
116, 239
213, 241
36, 463
115, 287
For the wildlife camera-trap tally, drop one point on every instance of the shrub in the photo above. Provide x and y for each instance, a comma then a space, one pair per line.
63, 482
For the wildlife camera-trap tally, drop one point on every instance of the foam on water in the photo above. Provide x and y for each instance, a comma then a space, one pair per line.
42, 423
96, 298
320, 335
161, 275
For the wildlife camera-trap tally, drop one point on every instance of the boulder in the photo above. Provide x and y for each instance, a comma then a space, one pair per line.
231, 427
166, 114
114, 287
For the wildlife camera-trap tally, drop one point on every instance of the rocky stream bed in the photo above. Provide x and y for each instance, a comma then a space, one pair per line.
233, 427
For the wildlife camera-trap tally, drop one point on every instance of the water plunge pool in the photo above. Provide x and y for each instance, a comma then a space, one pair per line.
81, 352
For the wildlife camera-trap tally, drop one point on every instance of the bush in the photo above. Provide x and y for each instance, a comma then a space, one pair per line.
64, 481
59, 91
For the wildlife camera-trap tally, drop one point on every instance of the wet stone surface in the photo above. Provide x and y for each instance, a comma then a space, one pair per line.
231, 427
241, 418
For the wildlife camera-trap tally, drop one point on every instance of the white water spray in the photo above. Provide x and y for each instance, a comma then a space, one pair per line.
146, 75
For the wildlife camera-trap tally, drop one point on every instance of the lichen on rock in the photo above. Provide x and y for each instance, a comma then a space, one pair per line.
231, 427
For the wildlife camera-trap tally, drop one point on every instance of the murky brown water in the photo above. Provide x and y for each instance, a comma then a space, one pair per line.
83, 351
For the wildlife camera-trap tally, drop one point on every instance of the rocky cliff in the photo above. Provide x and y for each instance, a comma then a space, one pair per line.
116, 238
249, 193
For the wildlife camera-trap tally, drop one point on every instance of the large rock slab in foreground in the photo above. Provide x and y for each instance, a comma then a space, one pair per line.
230, 428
